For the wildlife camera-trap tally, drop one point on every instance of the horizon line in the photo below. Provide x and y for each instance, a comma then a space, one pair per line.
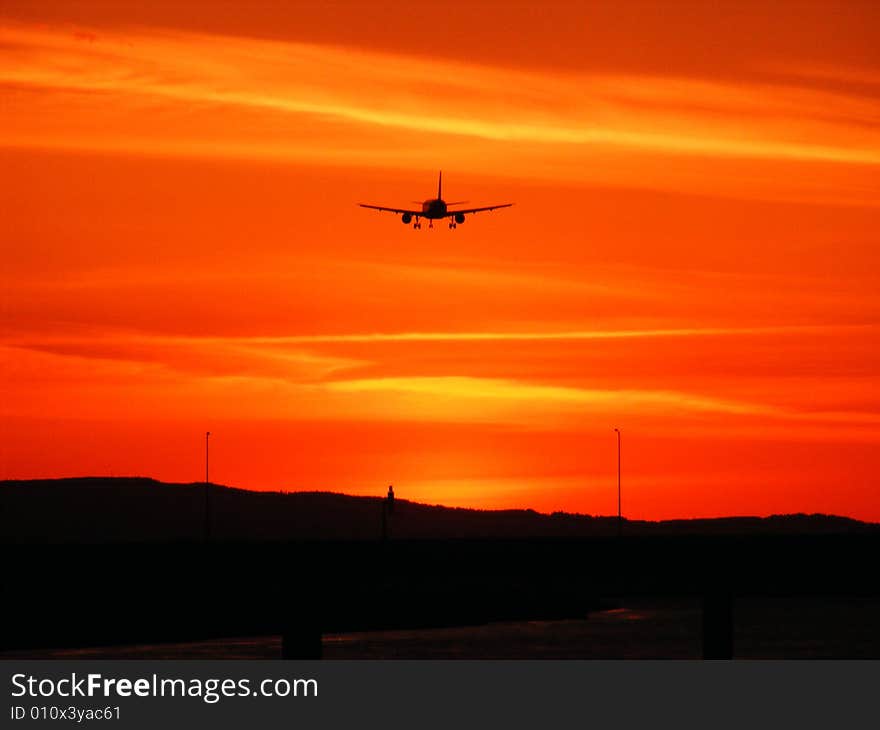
397, 498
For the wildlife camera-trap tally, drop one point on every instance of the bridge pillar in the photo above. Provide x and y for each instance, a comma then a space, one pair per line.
301, 640
717, 625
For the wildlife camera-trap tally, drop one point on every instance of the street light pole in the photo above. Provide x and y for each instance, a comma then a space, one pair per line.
207, 490
207, 437
619, 517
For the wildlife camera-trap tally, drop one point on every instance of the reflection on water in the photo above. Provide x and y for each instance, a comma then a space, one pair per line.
644, 629
626, 614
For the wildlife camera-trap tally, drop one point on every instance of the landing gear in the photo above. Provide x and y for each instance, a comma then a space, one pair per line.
431, 224
452, 226
417, 224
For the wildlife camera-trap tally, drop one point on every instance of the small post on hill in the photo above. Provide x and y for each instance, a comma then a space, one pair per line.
387, 511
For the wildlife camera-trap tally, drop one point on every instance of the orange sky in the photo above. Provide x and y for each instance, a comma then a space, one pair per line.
692, 255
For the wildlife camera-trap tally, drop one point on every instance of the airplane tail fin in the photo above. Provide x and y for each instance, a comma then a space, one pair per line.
440, 186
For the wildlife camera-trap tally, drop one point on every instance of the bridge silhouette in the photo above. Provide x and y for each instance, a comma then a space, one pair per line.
88, 595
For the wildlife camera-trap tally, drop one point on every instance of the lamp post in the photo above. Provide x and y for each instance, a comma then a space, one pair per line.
619, 517
207, 489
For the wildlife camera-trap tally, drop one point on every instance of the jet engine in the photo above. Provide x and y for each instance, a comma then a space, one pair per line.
459, 217
406, 218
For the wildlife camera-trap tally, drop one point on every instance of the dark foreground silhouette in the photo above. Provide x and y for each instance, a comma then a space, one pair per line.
135, 567
98, 509
801, 627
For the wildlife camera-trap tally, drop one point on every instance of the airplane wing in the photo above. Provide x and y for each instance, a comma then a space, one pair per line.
478, 210
399, 211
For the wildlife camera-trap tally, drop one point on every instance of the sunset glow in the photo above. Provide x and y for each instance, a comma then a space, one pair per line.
692, 256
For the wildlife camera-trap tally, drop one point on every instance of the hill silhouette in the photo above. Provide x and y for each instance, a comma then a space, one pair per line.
139, 509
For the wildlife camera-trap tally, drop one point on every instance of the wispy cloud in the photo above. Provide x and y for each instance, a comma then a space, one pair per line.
454, 391
122, 337
187, 356
559, 112
500, 400
542, 335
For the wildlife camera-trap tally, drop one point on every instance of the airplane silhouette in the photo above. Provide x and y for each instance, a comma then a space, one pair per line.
435, 209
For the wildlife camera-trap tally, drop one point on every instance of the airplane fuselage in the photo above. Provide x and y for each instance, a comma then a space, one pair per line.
433, 209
